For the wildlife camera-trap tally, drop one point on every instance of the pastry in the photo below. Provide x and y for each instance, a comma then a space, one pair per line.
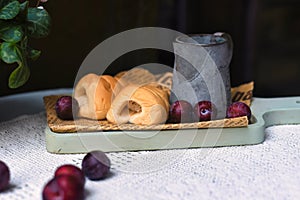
145, 105
165, 79
94, 95
137, 76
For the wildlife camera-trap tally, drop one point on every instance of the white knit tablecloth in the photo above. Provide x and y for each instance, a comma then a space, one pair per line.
270, 170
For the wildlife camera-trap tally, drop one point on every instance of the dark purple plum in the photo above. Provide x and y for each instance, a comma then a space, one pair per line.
238, 109
66, 107
70, 170
181, 111
205, 111
95, 165
63, 187
4, 176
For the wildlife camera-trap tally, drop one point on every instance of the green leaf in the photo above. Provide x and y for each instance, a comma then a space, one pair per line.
24, 6
23, 10
38, 22
10, 53
4, 3
33, 53
10, 10
19, 76
11, 33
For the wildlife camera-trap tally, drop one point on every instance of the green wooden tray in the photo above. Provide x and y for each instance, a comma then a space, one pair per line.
266, 112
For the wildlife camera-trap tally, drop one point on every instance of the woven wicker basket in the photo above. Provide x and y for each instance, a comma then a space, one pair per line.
88, 125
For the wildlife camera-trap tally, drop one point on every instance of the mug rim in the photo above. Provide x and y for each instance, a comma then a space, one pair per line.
177, 39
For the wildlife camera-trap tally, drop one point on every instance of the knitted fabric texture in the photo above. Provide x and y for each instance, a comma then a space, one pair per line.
265, 171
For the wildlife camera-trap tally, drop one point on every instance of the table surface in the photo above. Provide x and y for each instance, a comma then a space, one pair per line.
265, 171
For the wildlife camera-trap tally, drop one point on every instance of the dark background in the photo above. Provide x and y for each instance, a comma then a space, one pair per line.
266, 36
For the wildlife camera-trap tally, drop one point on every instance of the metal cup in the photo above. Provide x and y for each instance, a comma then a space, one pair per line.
201, 70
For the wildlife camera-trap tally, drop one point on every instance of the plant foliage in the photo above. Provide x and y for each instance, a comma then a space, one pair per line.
19, 23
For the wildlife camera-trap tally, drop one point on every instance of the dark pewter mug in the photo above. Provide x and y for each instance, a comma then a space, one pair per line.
201, 70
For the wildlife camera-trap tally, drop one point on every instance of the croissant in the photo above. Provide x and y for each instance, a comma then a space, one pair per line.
145, 105
94, 95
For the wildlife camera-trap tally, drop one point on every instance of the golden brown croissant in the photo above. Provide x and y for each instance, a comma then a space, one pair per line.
94, 94
146, 105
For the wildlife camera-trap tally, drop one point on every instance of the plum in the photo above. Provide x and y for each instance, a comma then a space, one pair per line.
95, 165
181, 111
238, 109
205, 111
4, 176
63, 187
70, 170
66, 107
